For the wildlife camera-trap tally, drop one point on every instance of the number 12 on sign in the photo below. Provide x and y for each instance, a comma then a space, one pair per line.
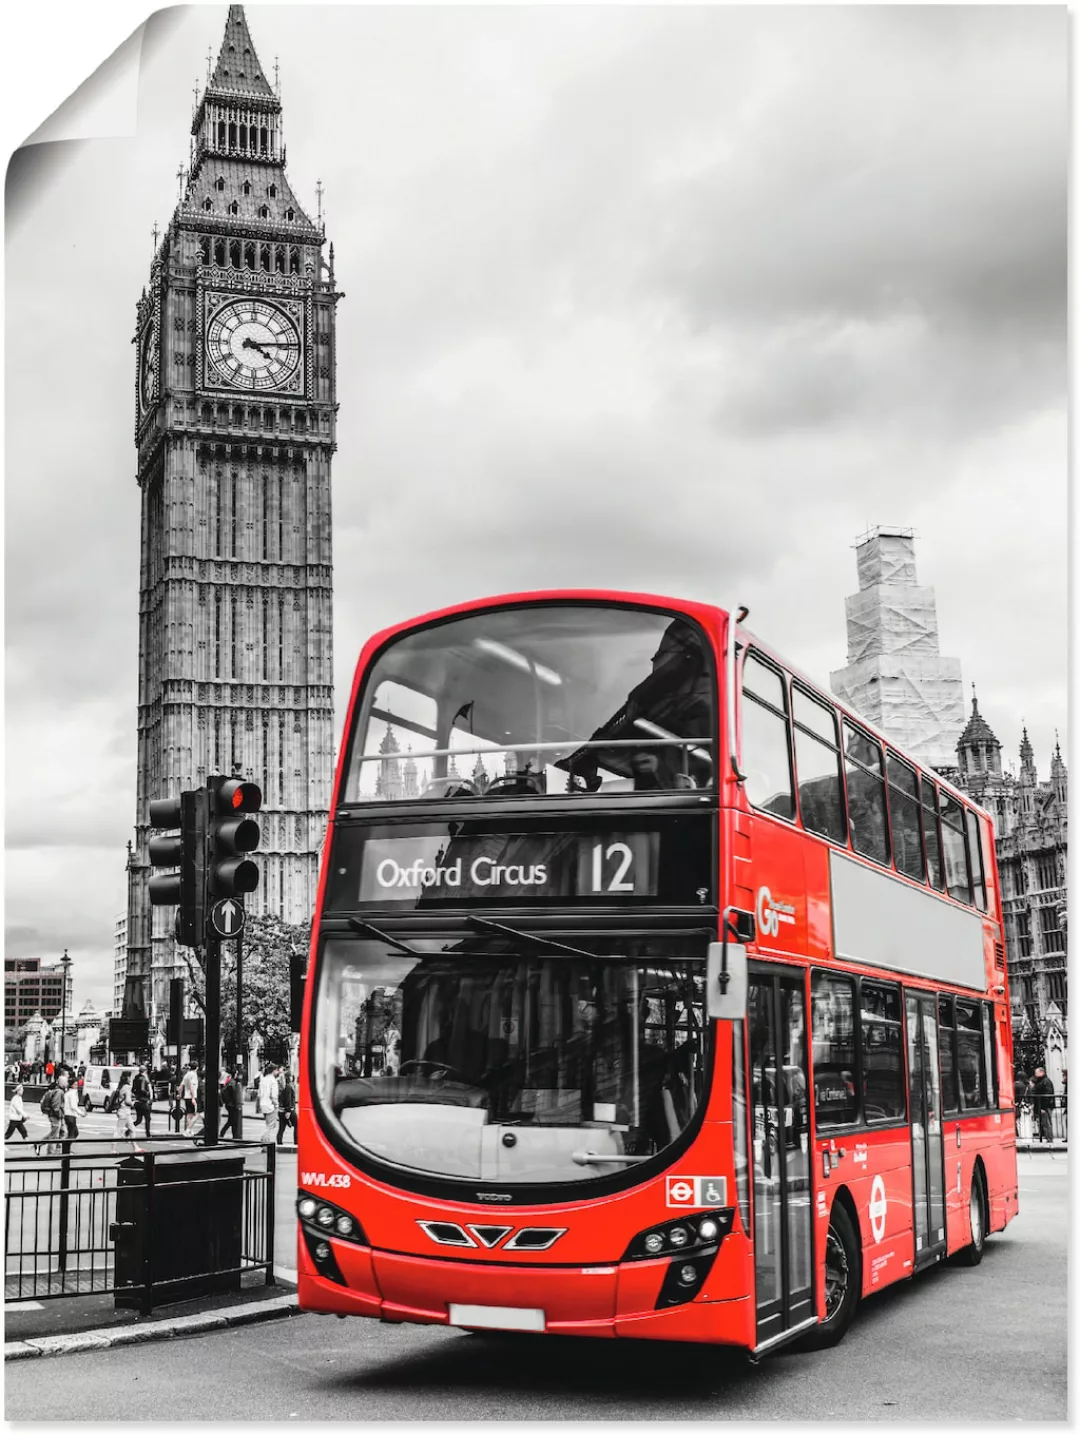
619, 865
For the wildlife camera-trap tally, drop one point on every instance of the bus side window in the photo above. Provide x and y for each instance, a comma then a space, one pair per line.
904, 818
882, 1050
950, 1095
954, 842
931, 832
1005, 1061
975, 851
866, 795
832, 1030
817, 761
988, 1055
969, 1055
766, 746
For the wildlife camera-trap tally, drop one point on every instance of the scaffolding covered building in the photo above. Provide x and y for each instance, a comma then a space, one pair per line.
896, 676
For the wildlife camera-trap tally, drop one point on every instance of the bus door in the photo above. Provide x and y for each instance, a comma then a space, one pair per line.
783, 1225
927, 1146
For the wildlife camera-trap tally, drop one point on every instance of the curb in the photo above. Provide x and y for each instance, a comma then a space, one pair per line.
153, 1330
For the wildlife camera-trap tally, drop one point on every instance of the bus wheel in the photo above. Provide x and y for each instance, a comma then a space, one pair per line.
971, 1255
843, 1282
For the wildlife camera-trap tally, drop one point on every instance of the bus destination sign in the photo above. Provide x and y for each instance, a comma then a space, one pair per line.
437, 866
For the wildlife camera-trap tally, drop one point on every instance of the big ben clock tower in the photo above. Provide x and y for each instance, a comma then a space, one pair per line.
235, 428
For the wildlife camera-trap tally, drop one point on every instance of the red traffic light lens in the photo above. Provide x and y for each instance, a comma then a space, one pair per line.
235, 795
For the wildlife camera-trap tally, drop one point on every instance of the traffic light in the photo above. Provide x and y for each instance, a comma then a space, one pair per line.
231, 832
297, 978
183, 889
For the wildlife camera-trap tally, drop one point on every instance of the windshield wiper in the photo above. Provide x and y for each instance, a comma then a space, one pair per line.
541, 941
366, 929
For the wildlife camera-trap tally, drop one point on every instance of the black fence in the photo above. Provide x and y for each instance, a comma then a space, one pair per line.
162, 1223
1043, 1118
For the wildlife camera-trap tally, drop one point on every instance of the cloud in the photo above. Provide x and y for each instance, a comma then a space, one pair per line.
678, 299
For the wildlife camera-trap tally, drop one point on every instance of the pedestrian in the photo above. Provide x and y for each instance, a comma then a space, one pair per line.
286, 1108
70, 1107
123, 1104
143, 1097
50, 1070
1042, 1092
16, 1114
52, 1107
268, 1103
189, 1091
230, 1103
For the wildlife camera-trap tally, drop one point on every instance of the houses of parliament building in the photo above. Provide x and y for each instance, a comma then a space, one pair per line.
1032, 823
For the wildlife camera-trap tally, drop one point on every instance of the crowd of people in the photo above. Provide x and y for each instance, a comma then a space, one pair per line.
131, 1101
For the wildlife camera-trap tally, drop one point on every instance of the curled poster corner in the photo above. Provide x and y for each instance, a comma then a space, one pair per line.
104, 107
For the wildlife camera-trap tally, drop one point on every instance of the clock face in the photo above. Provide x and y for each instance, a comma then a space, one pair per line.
147, 377
251, 344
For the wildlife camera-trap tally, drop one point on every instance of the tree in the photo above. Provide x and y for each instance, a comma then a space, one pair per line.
268, 945
1028, 1048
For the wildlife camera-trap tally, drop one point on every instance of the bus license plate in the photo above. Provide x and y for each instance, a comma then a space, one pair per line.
497, 1317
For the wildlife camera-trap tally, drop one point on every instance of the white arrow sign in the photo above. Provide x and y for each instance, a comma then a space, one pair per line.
227, 918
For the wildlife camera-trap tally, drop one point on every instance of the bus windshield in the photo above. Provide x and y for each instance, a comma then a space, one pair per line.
486, 1058
537, 700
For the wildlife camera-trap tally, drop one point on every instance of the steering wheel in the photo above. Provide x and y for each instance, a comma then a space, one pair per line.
434, 1066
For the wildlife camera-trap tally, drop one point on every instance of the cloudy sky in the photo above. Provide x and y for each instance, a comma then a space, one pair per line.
679, 300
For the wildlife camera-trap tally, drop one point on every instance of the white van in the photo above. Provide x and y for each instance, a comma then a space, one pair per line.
100, 1082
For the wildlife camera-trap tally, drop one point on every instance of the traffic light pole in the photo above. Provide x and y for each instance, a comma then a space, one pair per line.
239, 1030
211, 1105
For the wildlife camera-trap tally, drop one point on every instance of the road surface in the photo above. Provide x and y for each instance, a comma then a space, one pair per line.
956, 1344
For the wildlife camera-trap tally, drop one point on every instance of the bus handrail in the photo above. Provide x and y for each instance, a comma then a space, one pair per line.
590, 1158
735, 616
690, 742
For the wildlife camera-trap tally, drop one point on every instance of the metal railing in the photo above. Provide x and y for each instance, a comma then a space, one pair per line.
1043, 1119
90, 1220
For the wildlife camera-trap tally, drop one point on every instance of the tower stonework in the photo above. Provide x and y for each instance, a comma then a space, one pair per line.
896, 676
235, 429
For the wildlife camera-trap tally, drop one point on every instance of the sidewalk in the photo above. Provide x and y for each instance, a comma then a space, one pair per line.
82, 1322
96, 1315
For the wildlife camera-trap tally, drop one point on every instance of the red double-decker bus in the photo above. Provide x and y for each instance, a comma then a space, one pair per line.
652, 993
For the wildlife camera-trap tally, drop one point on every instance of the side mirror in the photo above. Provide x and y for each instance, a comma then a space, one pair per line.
725, 981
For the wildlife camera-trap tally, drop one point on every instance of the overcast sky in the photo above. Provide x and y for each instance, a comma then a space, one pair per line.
678, 300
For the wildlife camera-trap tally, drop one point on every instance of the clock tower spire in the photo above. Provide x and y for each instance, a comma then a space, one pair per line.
235, 428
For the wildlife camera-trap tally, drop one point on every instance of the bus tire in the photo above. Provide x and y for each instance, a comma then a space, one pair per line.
843, 1281
972, 1254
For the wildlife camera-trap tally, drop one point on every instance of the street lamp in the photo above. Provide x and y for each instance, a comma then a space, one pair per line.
66, 965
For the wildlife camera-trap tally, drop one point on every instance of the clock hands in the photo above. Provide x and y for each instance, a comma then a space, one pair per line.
249, 343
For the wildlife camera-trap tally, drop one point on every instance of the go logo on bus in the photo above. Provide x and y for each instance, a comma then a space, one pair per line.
879, 1207
771, 913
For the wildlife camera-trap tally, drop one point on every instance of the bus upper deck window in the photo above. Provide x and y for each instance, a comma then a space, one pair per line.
866, 795
904, 818
534, 701
954, 844
931, 833
817, 760
766, 746
978, 879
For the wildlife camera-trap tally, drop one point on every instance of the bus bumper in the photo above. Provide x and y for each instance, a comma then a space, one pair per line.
600, 1301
